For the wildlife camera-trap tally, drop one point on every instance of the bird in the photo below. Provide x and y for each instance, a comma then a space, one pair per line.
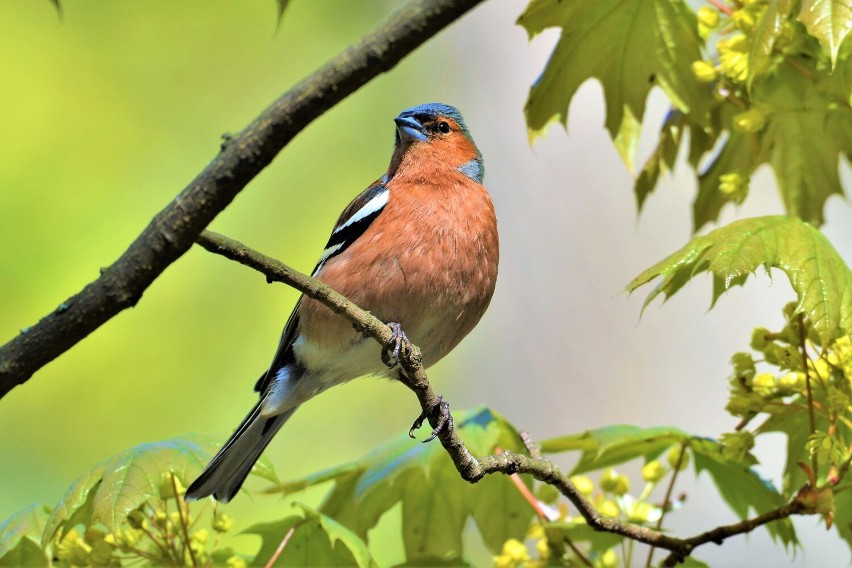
418, 249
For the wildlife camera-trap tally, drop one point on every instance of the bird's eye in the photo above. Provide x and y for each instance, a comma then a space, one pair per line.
443, 127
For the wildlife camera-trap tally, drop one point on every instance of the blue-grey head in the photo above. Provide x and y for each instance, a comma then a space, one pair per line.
440, 129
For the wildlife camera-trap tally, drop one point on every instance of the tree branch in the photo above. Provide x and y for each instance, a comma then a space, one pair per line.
471, 468
242, 157
719, 534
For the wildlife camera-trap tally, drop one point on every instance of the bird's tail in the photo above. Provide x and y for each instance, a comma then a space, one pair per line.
225, 474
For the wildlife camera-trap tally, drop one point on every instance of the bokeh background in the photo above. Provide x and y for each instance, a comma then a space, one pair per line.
106, 115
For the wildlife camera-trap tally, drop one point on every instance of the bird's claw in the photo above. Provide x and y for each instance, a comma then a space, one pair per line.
445, 421
398, 339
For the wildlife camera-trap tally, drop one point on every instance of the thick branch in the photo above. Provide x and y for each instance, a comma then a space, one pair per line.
242, 157
471, 468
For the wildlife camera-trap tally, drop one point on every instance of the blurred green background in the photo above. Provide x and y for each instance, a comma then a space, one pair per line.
106, 115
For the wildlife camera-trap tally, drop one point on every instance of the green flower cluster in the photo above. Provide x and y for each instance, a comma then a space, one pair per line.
791, 372
161, 532
611, 497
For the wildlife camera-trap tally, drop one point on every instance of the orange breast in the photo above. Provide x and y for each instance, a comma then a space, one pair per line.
429, 262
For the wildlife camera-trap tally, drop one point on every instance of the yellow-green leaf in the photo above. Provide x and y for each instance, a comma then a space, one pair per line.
806, 133
118, 485
20, 537
315, 540
628, 45
436, 502
613, 445
768, 30
829, 21
819, 276
741, 487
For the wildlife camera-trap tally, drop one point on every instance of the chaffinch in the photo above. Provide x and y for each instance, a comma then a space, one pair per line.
417, 248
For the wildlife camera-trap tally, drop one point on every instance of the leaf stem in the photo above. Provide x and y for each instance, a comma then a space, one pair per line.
667, 499
184, 519
161, 545
530, 498
811, 417
721, 7
281, 545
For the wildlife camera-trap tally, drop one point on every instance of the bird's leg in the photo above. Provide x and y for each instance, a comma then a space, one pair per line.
445, 420
398, 340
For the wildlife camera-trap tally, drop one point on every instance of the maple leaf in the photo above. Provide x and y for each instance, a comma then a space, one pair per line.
629, 46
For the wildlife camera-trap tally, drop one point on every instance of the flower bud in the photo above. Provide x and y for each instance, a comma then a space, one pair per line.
653, 471
763, 383
673, 456
708, 16
704, 71
614, 482
752, 120
583, 484
222, 523
608, 508
236, 562
758, 338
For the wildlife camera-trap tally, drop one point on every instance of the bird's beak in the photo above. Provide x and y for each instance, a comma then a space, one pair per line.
409, 129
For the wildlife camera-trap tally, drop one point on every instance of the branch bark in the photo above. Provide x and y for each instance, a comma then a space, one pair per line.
174, 229
473, 469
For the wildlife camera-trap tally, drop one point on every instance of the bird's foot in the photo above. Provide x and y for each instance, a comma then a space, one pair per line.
399, 341
445, 420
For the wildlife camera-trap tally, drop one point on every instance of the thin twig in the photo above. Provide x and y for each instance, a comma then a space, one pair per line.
530, 444
719, 534
242, 157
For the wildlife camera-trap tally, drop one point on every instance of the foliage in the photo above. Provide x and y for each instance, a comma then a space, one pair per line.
131, 507
519, 521
120, 511
820, 278
425, 482
752, 81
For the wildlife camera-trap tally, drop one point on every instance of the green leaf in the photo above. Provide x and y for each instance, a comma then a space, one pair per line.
818, 275
843, 515
115, 487
768, 30
739, 154
662, 159
805, 135
436, 502
627, 139
672, 133
795, 426
741, 488
433, 515
629, 46
613, 445
20, 537
316, 540
829, 21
